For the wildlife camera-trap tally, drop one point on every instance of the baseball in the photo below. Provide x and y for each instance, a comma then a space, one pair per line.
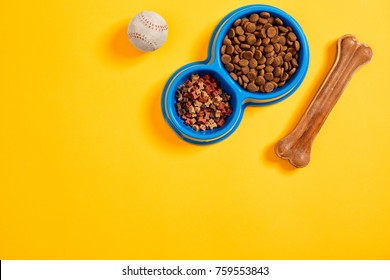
147, 31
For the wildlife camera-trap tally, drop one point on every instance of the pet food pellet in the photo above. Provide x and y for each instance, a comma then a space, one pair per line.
226, 59
247, 55
239, 30
278, 21
251, 27
271, 32
245, 70
268, 87
252, 76
260, 81
252, 87
265, 14
253, 18
251, 39
243, 62
237, 22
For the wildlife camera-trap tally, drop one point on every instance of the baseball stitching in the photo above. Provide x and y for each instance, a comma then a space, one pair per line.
143, 38
145, 21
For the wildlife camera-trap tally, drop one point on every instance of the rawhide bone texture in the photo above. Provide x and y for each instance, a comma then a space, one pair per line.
296, 146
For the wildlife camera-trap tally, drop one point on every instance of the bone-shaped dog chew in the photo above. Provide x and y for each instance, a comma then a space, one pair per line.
296, 147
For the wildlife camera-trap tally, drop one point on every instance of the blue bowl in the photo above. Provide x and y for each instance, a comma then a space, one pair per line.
240, 97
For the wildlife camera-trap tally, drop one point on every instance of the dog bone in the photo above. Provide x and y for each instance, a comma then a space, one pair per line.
296, 146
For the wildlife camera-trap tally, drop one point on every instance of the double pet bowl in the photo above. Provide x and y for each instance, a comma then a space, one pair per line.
240, 97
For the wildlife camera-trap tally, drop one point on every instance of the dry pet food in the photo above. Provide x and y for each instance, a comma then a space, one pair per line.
201, 103
260, 52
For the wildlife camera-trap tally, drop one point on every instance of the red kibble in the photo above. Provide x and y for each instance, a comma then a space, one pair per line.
221, 122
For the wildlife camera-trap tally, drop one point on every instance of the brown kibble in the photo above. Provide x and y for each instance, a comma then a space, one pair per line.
287, 57
278, 61
278, 21
239, 30
261, 72
294, 63
286, 66
247, 55
236, 59
291, 36
271, 32
263, 34
231, 33
292, 51
253, 18
269, 76
258, 42
269, 60
233, 75
242, 38
284, 77
270, 54
277, 48
282, 40
258, 54
237, 22
251, 27
292, 71
297, 45
229, 49
265, 15
277, 71
251, 39
252, 87
240, 82
283, 29
252, 76
268, 87
269, 48
245, 79
245, 70
275, 39
262, 60
238, 48
245, 46
260, 80
223, 49
227, 41
261, 66
252, 63
229, 67
265, 41
226, 58
269, 69
243, 62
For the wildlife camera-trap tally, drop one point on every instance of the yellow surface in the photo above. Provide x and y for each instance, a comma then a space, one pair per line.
90, 170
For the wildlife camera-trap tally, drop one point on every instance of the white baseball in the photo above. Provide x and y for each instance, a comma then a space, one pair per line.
147, 31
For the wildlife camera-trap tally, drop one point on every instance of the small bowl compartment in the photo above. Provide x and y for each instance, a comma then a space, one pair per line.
187, 132
239, 96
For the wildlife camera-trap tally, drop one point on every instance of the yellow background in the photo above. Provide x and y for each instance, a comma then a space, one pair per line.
90, 170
